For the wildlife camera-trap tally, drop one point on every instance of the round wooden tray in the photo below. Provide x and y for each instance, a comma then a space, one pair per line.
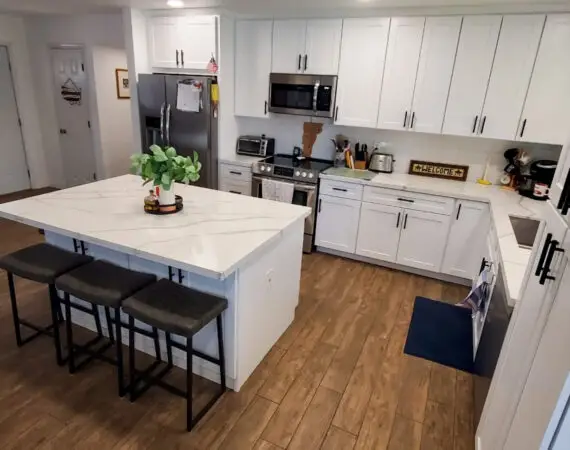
157, 212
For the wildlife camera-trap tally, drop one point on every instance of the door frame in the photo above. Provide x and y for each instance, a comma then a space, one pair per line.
91, 107
7, 45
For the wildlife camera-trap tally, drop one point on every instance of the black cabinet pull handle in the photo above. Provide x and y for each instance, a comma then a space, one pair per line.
475, 124
235, 192
176, 58
306, 61
338, 189
265, 110
540, 265
458, 212
483, 124
336, 114
405, 118
563, 203
553, 249
299, 63
320, 202
406, 200
413, 118
405, 221
483, 265
235, 172
182, 57
398, 222
523, 127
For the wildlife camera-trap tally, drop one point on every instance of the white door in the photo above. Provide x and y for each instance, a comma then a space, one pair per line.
13, 168
379, 231
561, 184
466, 240
337, 223
253, 65
197, 41
72, 108
322, 46
434, 73
404, 44
164, 41
510, 77
422, 240
546, 111
475, 53
363, 46
288, 46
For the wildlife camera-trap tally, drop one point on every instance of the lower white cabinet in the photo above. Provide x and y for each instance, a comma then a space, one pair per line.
235, 179
466, 242
422, 240
379, 231
337, 223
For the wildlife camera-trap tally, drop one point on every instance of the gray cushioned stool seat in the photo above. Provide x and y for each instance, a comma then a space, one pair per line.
103, 283
42, 262
174, 308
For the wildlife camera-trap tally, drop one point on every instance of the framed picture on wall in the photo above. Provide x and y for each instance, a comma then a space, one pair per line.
123, 87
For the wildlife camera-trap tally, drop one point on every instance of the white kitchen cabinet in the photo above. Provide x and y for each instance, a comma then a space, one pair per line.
437, 57
467, 239
422, 240
364, 46
252, 67
546, 112
183, 42
337, 223
306, 46
379, 231
404, 44
475, 53
510, 76
562, 179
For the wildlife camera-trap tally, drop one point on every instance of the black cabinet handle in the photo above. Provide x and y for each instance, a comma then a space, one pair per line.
523, 127
540, 265
483, 124
265, 110
405, 220
475, 124
406, 200
235, 172
235, 192
182, 57
398, 222
336, 114
553, 249
413, 118
563, 203
299, 63
306, 61
320, 202
176, 58
405, 118
338, 189
483, 265
458, 212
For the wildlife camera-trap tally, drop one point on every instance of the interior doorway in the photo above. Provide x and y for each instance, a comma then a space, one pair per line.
14, 175
73, 118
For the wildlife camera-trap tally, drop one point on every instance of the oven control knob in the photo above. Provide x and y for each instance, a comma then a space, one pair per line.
311, 175
297, 173
262, 168
304, 174
268, 168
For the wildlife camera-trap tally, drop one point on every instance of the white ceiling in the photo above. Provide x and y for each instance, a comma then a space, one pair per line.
289, 7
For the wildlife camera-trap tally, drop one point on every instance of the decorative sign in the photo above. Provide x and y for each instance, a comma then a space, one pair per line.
122, 81
438, 170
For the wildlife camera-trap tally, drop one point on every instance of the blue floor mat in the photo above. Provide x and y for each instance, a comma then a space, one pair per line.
441, 333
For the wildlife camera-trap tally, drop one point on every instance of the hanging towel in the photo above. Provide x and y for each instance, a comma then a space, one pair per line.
279, 191
477, 297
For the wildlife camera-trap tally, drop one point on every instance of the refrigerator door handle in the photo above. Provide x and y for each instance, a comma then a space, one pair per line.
168, 125
162, 124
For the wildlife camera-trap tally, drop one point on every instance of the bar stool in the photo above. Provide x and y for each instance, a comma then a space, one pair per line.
41, 263
179, 310
104, 284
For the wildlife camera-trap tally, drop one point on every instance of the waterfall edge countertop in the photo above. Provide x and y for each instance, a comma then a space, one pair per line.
213, 235
502, 203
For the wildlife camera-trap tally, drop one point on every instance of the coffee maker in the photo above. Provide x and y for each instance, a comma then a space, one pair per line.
536, 183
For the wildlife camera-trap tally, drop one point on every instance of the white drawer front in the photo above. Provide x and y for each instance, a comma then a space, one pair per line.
343, 190
235, 173
236, 187
409, 200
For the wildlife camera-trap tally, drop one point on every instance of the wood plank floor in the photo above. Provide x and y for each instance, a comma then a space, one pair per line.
337, 379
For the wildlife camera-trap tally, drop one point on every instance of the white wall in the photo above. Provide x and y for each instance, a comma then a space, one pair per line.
12, 34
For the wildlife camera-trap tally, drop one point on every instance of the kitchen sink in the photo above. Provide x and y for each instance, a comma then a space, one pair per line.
525, 230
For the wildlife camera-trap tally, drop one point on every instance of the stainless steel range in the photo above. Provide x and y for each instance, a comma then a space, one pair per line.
303, 174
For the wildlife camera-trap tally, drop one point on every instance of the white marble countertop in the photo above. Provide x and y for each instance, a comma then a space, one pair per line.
502, 204
240, 160
213, 235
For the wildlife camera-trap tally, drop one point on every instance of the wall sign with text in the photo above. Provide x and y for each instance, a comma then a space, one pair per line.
438, 170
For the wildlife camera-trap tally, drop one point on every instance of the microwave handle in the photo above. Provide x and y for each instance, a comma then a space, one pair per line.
316, 95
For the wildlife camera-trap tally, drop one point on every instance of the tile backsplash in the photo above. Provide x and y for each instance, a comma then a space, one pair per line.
474, 152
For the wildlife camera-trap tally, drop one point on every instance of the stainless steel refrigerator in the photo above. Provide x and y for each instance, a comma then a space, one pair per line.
164, 122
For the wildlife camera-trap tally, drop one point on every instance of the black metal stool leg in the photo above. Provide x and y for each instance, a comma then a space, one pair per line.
15, 316
119, 347
189, 376
109, 324
156, 344
95, 310
168, 349
132, 392
69, 332
54, 303
221, 353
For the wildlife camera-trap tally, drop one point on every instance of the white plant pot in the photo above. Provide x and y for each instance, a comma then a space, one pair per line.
166, 197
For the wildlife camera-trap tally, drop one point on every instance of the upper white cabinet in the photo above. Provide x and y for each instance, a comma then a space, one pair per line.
512, 69
252, 67
466, 242
337, 223
363, 46
183, 42
546, 111
475, 53
306, 46
434, 73
404, 44
379, 231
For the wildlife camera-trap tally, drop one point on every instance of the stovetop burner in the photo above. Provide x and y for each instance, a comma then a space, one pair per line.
292, 161
291, 167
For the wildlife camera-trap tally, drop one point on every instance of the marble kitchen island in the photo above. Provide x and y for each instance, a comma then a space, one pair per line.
246, 249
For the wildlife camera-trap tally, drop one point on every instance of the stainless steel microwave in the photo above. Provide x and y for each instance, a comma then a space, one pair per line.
303, 95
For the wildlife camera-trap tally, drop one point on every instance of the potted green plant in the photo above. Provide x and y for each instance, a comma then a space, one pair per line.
164, 167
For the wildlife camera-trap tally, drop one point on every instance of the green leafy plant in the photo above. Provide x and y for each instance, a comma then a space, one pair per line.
164, 166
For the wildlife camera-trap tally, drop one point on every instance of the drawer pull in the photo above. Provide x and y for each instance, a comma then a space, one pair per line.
234, 172
235, 192
406, 200
458, 212
339, 189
